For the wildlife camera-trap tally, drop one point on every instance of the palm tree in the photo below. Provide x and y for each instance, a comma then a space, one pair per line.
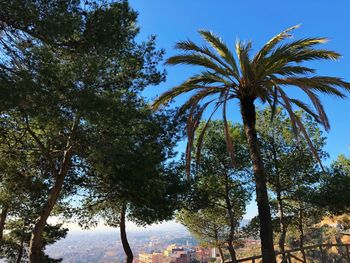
264, 77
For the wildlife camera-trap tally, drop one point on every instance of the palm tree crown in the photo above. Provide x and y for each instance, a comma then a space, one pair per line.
264, 76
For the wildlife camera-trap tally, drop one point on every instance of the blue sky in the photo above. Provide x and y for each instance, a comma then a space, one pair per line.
174, 20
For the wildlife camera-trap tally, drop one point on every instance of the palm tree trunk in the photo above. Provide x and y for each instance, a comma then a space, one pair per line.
2, 221
266, 231
123, 237
36, 241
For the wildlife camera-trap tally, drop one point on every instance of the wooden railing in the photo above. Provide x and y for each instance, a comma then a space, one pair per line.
289, 256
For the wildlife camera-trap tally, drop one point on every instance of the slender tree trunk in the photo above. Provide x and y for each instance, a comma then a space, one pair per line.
20, 251
282, 223
2, 221
232, 251
230, 239
218, 245
123, 237
266, 231
301, 231
36, 241
283, 227
221, 254
36, 246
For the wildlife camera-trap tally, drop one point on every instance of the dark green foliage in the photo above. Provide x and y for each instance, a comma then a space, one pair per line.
24, 184
132, 169
71, 70
220, 192
252, 228
334, 188
293, 173
15, 245
289, 162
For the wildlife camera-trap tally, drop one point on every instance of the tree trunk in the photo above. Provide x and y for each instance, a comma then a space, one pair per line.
232, 251
283, 227
266, 231
20, 251
301, 231
36, 242
230, 239
123, 237
2, 221
221, 254
218, 245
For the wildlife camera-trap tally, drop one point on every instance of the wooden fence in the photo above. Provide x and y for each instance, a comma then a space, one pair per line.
315, 253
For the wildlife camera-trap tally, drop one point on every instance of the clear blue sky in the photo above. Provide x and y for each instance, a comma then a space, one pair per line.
174, 20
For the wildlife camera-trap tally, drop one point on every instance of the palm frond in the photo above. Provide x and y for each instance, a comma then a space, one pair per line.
294, 70
228, 138
288, 70
327, 85
294, 51
192, 125
314, 54
202, 133
323, 118
222, 49
197, 97
197, 60
294, 46
242, 51
297, 125
272, 43
308, 140
207, 77
288, 106
174, 92
272, 100
192, 47
305, 108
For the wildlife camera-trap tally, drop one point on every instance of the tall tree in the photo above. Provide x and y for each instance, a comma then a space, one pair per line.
24, 185
266, 76
290, 166
63, 61
221, 191
132, 176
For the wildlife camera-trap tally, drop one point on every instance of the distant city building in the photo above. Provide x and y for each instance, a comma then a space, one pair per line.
151, 258
179, 257
177, 254
145, 258
167, 252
